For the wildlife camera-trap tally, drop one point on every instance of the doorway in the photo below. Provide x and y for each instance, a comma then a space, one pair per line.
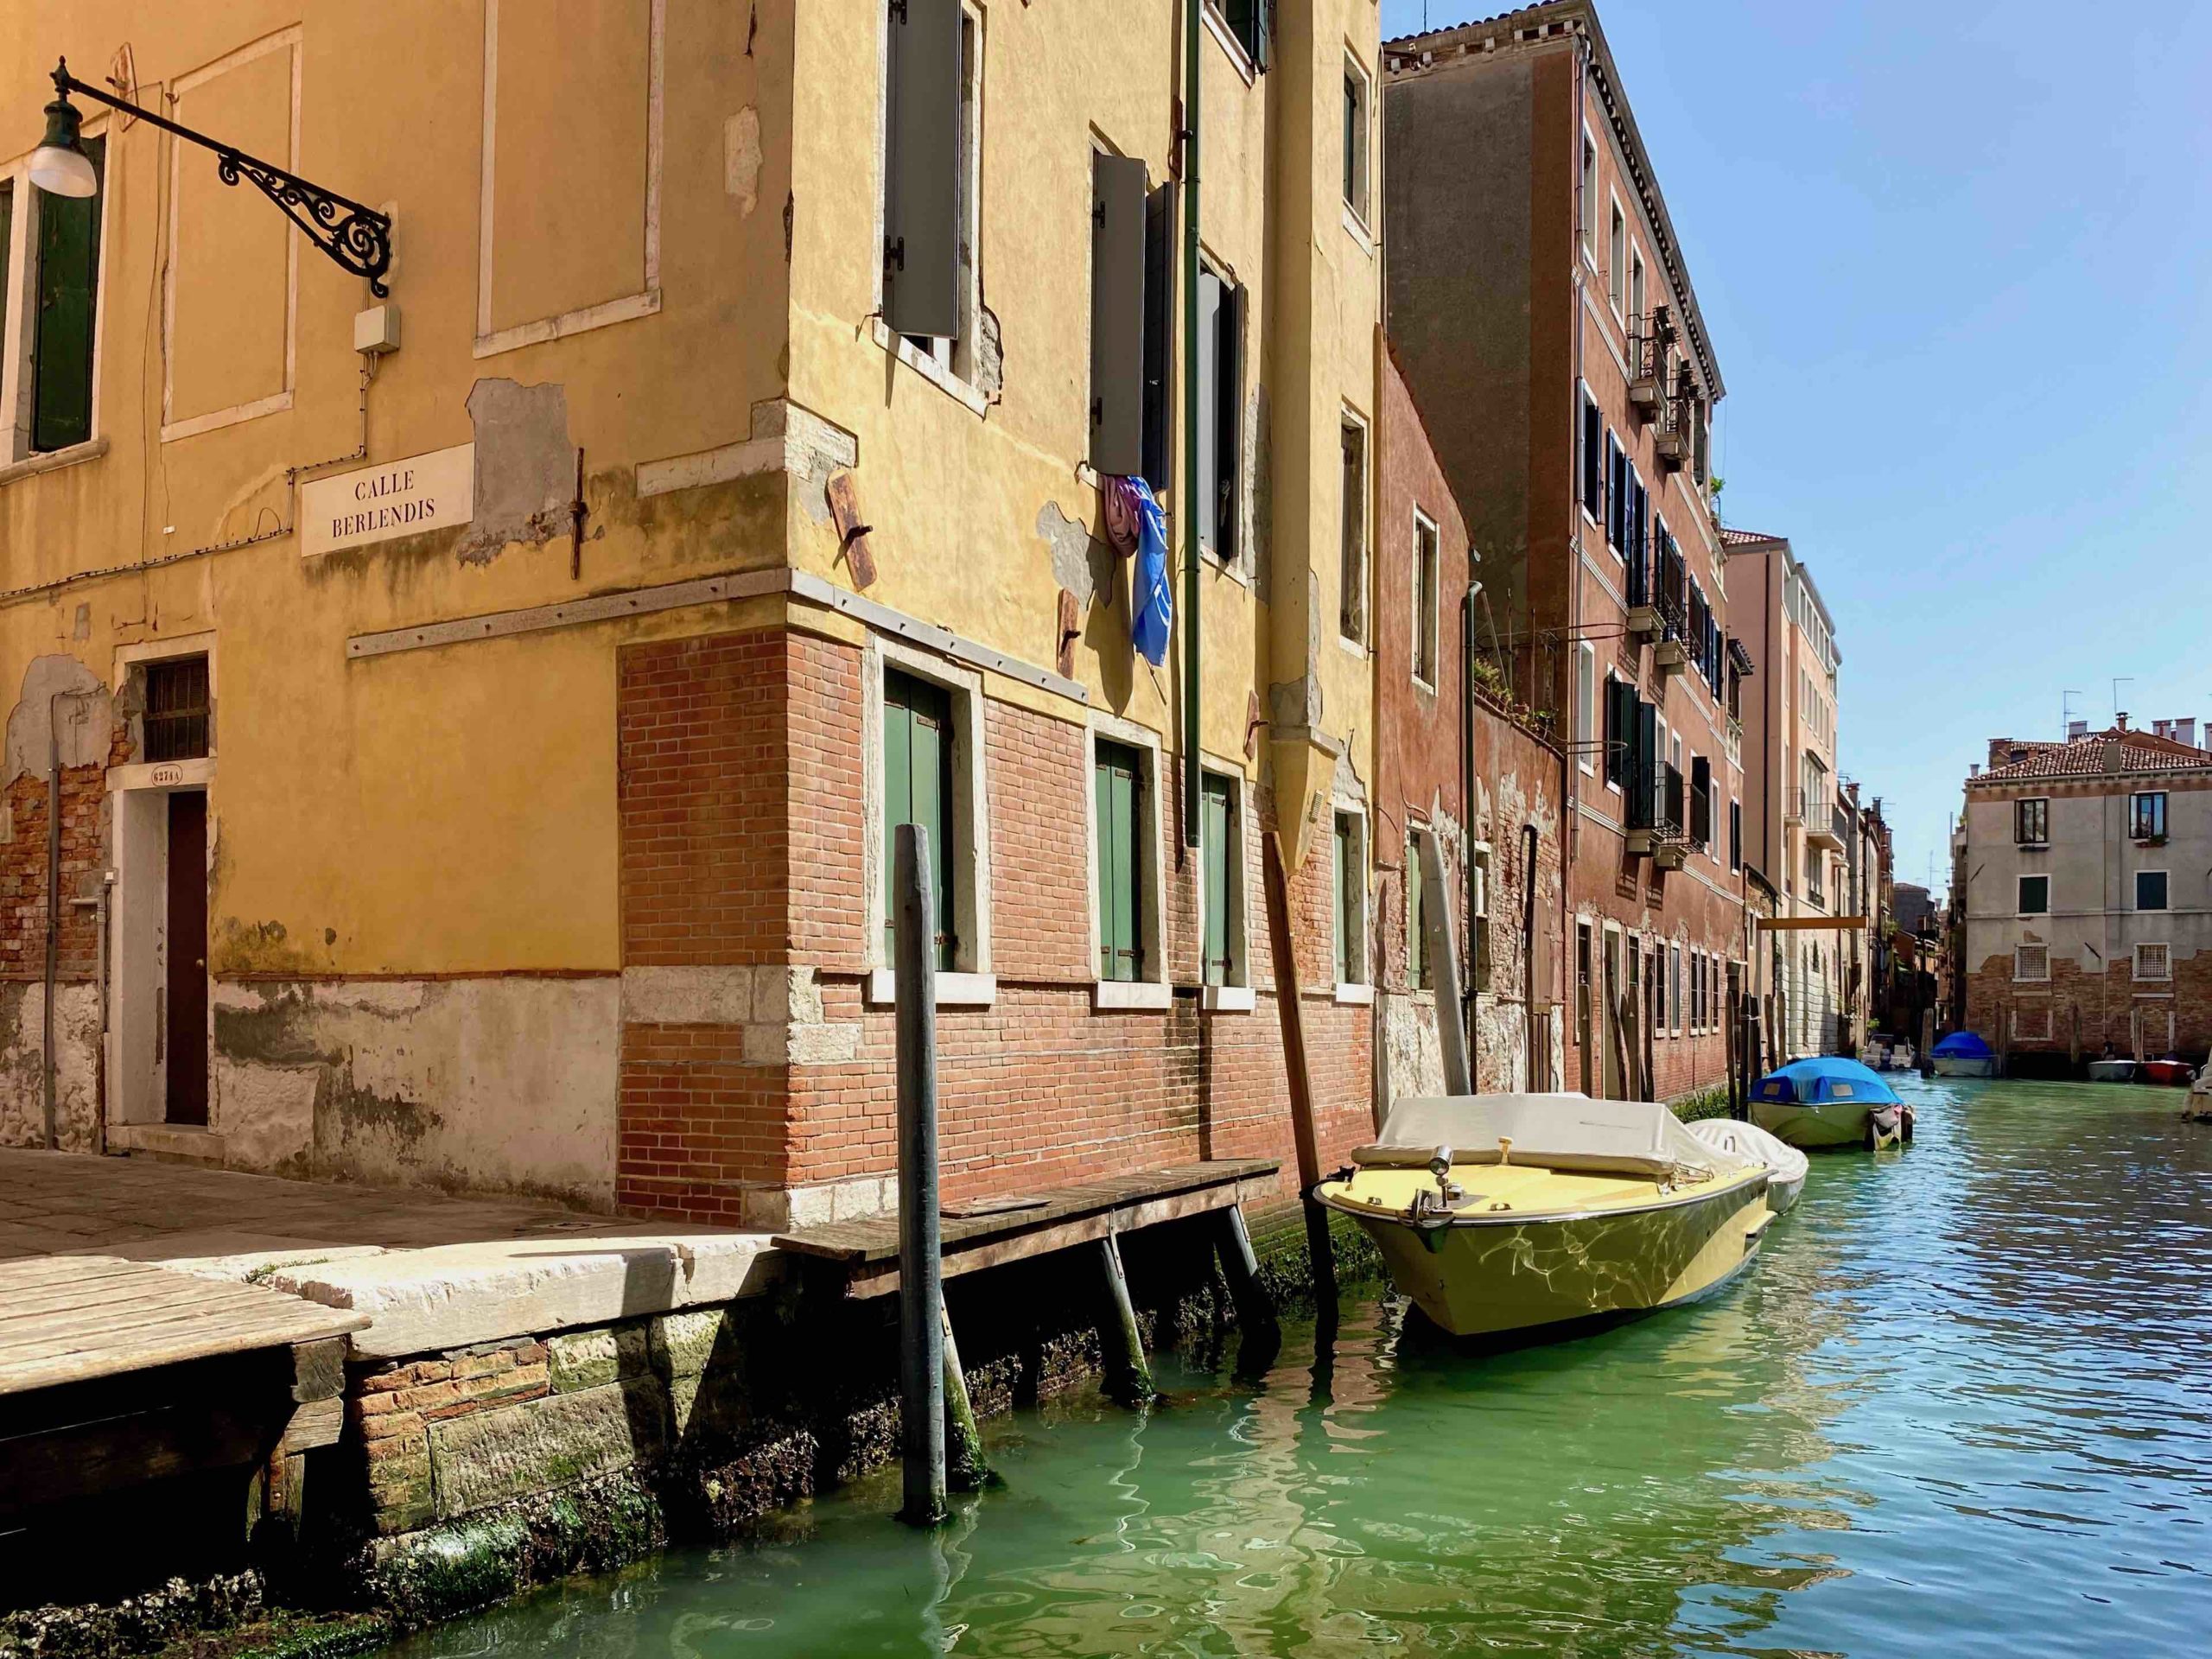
184, 994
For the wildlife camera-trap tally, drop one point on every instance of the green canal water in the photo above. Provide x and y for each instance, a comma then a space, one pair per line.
1963, 1404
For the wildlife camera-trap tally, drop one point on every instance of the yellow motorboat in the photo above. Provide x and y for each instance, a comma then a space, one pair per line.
1505, 1213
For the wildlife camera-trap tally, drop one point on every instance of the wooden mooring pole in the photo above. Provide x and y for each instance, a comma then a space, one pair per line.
1292, 1012
921, 1287
967, 1469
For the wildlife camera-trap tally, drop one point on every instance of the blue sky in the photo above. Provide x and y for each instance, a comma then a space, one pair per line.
1957, 264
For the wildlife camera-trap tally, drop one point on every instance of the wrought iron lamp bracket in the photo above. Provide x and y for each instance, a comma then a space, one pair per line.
355, 236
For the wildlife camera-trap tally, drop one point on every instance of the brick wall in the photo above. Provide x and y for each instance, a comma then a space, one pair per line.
23, 867
2001, 1010
745, 848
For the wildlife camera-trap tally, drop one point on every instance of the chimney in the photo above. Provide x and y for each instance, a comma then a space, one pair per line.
2000, 750
1974, 770
2119, 720
2076, 729
2185, 731
2161, 729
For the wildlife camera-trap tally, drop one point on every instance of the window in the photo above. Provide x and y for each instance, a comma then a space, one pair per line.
1351, 603
1426, 599
917, 790
2031, 1022
1589, 194
53, 287
1221, 836
1675, 987
1585, 703
1351, 853
2153, 961
176, 722
1247, 21
1593, 459
1479, 911
1617, 519
1701, 801
2146, 816
2031, 961
1118, 785
1635, 292
2031, 823
1616, 266
1417, 975
2149, 889
1356, 139
1735, 834
1221, 404
1697, 990
931, 173
2034, 895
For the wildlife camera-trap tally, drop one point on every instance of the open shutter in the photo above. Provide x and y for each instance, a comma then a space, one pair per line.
1644, 778
921, 218
1206, 493
918, 790
68, 273
1161, 271
1228, 416
1117, 313
1121, 945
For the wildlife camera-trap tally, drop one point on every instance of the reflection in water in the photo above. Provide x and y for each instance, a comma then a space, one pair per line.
1961, 1405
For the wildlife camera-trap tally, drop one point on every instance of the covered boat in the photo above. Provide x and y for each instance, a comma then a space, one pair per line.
1785, 1165
1963, 1054
1827, 1102
1509, 1213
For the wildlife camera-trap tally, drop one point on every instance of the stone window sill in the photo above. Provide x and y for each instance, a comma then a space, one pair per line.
1130, 996
54, 460
1355, 994
953, 990
929, 368
1229, 999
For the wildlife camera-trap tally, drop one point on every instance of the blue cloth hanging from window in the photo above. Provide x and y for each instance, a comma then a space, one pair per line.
1152, 606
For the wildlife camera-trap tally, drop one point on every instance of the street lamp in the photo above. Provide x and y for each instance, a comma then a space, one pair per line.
355, 237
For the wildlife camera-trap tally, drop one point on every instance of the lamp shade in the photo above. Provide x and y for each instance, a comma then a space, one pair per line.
59, 165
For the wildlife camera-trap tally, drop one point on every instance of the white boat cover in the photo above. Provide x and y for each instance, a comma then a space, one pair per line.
1562, 1131
1747, 1140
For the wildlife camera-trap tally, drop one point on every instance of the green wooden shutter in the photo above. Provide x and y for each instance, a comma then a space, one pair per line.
1214, 835
1121, 936
68, 273
918, 788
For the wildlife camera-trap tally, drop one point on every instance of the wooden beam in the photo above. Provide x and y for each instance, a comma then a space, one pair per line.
1807, 923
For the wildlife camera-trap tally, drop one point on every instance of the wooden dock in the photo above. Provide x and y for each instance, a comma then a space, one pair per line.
119, 1380
991, 1233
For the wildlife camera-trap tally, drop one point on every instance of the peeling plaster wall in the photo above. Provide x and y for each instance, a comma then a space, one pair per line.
76, 1085
504, 1084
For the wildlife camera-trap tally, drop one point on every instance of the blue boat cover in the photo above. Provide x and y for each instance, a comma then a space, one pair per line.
1962, 1046
1813, 1081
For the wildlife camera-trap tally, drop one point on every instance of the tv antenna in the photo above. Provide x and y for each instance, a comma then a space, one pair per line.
2066, 712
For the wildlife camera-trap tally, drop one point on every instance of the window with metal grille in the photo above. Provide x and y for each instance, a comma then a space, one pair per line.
176, 709
2153, 961
2031, 822
2147, 815
2031, 961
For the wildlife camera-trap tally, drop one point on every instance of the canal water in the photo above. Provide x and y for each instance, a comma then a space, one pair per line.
1963, 1404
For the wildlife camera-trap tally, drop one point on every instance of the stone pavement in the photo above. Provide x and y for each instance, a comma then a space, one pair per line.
432, 1272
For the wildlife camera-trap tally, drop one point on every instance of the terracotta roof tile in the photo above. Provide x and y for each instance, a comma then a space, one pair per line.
2099, 754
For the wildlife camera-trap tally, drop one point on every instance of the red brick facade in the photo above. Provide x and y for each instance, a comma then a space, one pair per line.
2081, 1012
745, 845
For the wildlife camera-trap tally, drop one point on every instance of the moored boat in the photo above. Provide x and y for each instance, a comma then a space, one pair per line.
2169, 1073
1510, 1213
2113, 1070
1786, 1166
1963, 1054
1825, 1102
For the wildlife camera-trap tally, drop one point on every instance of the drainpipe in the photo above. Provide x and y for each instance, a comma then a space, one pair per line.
1467, 833
1189, 492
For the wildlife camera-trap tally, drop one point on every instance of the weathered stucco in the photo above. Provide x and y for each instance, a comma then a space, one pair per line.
22, 1051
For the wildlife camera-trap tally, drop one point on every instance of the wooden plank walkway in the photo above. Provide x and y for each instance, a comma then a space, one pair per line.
977, 1236
74, 1319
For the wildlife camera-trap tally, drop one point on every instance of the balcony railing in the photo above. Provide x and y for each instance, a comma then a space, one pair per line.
1793, 806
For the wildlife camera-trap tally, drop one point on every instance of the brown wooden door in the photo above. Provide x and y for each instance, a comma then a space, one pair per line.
185, 1037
